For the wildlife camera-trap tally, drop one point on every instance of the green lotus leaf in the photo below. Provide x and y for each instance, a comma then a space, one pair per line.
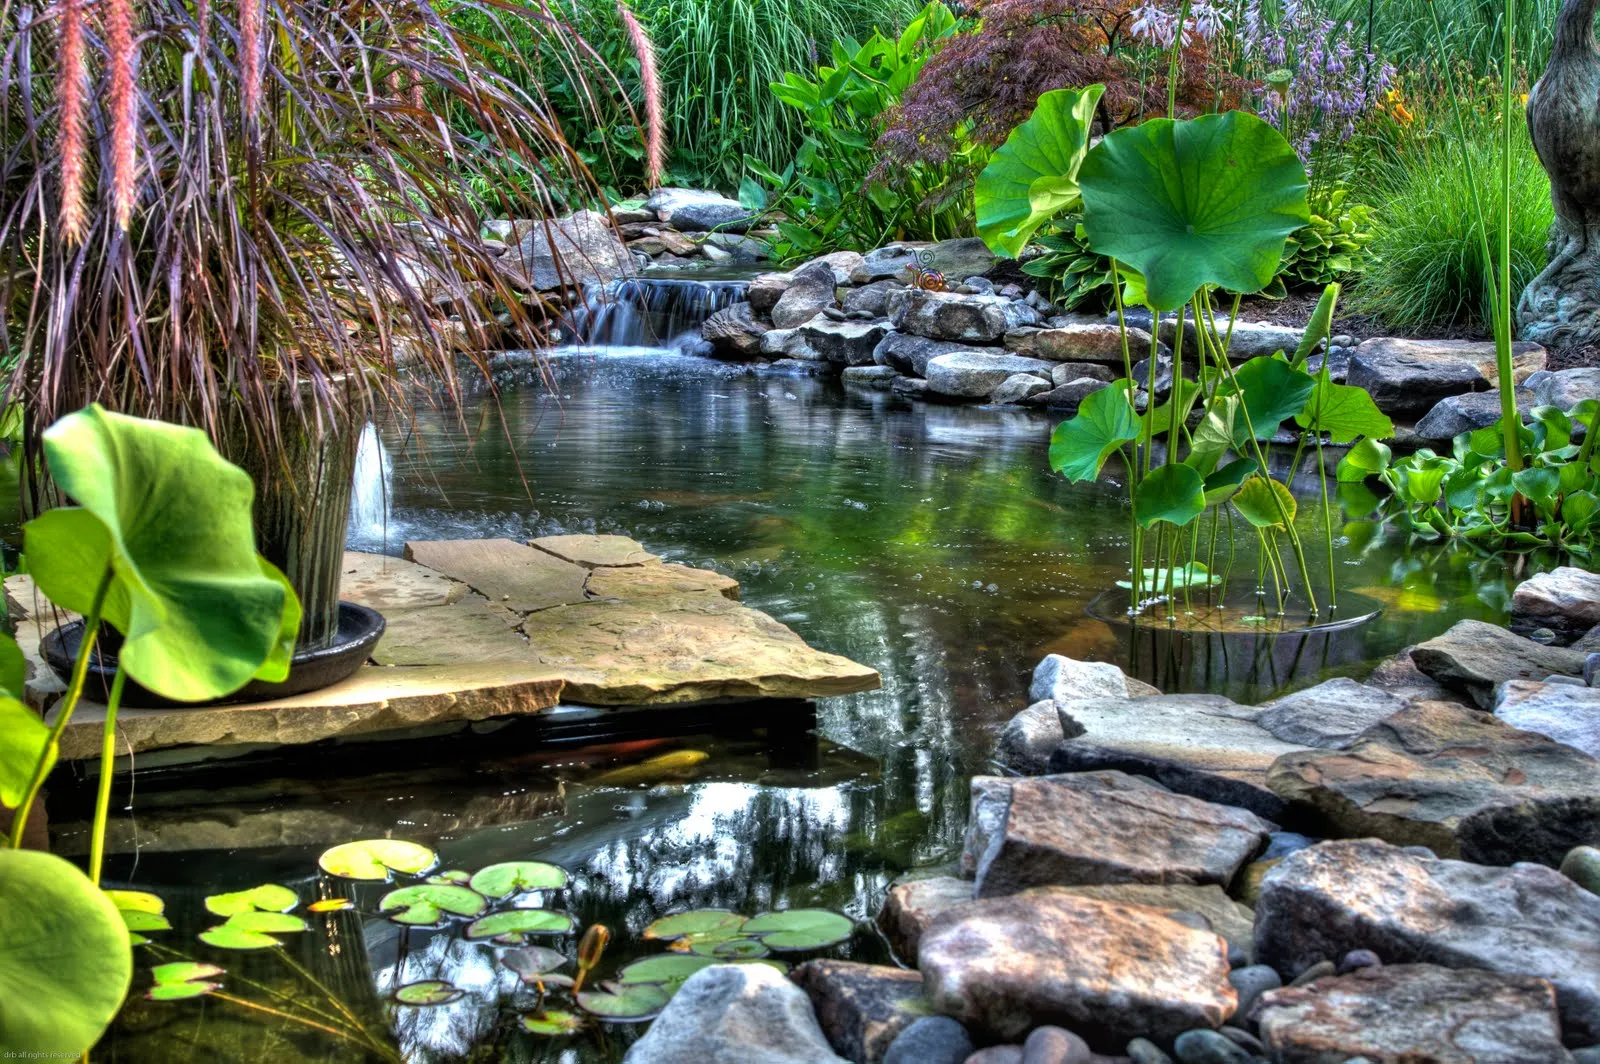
1367, 458
226, 937
699, 922
1272, 391
1344, 413
1033, 176
426, 904
1205, 201
512, 926
552, 1022
13, 668
664, 968
1223, 484
183, 979
730, 948
1174, 493
800, 929
200, 615
427, 993
531, 962
1104, 421
269, 897
516, 877
633, 1003
376, 859
267, 923
1256, 503
65, 962
1213, 437
23, 742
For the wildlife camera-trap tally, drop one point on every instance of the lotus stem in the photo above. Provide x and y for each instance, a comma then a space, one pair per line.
102, 800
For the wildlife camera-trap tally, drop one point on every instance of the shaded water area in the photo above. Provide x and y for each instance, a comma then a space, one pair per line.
930, 542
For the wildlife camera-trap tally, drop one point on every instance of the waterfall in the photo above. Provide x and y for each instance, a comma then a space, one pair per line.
663, 312
373, 490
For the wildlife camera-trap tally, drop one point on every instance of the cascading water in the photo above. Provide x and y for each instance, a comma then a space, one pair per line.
373, 490
659, 312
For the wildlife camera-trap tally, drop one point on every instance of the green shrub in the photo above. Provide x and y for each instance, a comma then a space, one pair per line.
1427, 269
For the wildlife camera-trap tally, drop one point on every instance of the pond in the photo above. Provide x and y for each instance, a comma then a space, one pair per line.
930, 542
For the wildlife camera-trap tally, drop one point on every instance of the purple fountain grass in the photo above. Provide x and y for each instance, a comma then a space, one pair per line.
654, 95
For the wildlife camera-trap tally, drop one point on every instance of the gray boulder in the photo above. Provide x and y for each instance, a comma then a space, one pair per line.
911, 354
810, 291
766, 289
1566, 388
977, 375
1565, 600
972, 319
871, 299
911, 905
1065, 679
735, 1014
1017, 388
1565, 712
1332, 715
742, 248
1452, 416
1066, 398
1096, 342
861, 1007
1474, 656
734, 332
1250, 339
1407, 377
696, 210
955, 259
880, 377
582, 249
1066, 372
845, 343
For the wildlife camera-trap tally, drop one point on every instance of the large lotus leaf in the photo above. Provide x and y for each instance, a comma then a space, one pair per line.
1034, 175
1213, 437
1265, 503
426, 903
1210, 200
1365, 459
1223, 483
376, 858
22, 743
13, 667
1174, 493
1273, 390
1104, 422
200, 616
512, 926
1344, 412
799, 929
65, 962
515, 877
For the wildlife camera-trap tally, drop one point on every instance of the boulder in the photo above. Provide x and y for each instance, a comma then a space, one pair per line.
861, 1007
1460, 782
888, 262
766, 289
1455, 414
1226, 917
1067, 372
1016, 388
697, 210
955, 259
1417, 1013
880, 377
582, 249
778, 343
1474, 656
1096, 342
1107, 827
1407, 377
735, 1014
1400, 676
911, 354
1331, 716
845, 343
1109, 972
1066, 398
734, 332
872, 299
841, 263
1567, 713
1566, 600
974, 319
1029, 738
1326, 900
976, 375
1066, 679
911, 906
810, 291
1566, 388
1249, 339
931, 1040
742, 248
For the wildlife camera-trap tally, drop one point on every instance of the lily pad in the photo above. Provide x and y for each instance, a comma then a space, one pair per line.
376, 859
225, 937
699, 922
731, 948
516, 877
269, 897
552, 1022
512, 926
427, 903
532, 961
138, 920
666, 968
267, 923
450, 877
183, 979
428, 993
330, 905
800, 929
633, 1003
141, 901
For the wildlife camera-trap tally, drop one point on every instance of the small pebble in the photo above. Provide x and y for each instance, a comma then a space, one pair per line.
1208, 1047
1141, 1051
1251, 982
1320, 970
1582, 866
1238, 957
931, 1040
1055, 1045
997, 1055
1358, 958
1542, 636
1242, 1038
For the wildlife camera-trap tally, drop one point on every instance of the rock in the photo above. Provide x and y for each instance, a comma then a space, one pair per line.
1063, 373
1029, 738
713, 253
911, 906
1331, 715
661, 579
1066, 679
1564, 712
1407, 377
1066, 398
911, 387
1400, 677
861, 1007
931, 1040
742, 248
1338, 360
678, 244
1526, 920
1016, 388
1416, 1013
597, 552
1356, 959
997, 1055
1319, 970
1222, 915
949, 316
872, 299
1249, 339
696, 210
1251, 982
1095, 342
734, 332
1200, 745
911, 354
847, 343
810, 290
735, 1014
869, 376
1054, 1045
841, 263
1455, 414
1106, 971
1474, 656
766, 289
888, 262
776, 343
1106, 827
1566, 388
975, 376
1208, 1047
956, 259
1566, 599
1143, 1051
1582, 866
507, 573
579, 250
1444, 776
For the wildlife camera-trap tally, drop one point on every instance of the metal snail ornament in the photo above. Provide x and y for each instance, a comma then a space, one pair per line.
923, 275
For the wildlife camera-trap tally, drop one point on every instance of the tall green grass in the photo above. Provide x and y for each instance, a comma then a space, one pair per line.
1403, 34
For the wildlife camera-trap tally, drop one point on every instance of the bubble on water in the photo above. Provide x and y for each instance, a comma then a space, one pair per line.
992, 588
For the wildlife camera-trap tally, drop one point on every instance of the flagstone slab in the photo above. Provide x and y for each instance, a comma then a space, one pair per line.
504, 571
661, 579
595, 552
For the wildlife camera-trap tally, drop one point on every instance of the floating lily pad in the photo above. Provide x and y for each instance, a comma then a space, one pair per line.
629, 1003
731, 949
183, 979
330, 905
450, 877
427, 903
139, 920
225, 937
510, 927
531, 961
709, 923
516, 877
429, 992
137, 901
666, 968
376, 859
269, 897
800, 929
553, 1022
267, 923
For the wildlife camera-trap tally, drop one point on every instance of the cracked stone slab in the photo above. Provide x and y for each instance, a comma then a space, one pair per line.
470, 630
639, 581
595, 552
511, 574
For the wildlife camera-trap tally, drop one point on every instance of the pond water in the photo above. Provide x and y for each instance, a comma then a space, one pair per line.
930, 542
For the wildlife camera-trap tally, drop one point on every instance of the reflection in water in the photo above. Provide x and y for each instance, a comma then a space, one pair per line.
930, 542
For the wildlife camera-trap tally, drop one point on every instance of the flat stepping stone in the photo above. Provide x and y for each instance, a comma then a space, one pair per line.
460, 633
1407, 377
1233, 921
640, 581
595, 552
512, 574
387, 584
